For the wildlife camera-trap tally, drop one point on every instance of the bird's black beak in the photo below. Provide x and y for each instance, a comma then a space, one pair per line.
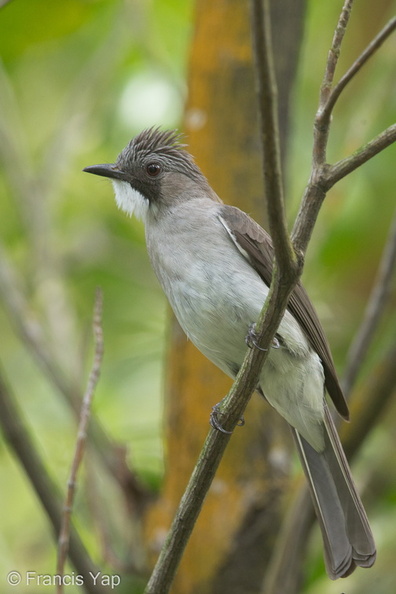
106, 170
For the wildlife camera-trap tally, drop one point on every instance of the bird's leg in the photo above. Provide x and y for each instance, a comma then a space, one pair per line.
251, 339
215, 420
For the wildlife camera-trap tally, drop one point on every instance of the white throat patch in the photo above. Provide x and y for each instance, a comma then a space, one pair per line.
130, 200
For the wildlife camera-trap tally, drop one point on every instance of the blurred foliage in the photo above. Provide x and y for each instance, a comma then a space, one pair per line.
77, 80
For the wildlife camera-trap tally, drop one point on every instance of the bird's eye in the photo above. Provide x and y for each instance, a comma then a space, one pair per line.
153, 169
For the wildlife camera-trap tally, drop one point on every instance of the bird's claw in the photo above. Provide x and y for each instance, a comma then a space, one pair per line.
215, 421
251, 339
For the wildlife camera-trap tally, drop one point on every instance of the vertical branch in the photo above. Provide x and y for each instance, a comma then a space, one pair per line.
322, 119
64, 536
268, 111
334, 53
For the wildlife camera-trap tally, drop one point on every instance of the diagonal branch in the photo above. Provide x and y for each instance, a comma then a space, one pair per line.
233, 406
356, 66
286, 271
323, 175
365, 153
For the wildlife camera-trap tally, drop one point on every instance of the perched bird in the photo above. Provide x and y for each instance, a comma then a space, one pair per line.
214, 264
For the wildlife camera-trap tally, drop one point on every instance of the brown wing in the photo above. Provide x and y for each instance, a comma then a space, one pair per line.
256, 245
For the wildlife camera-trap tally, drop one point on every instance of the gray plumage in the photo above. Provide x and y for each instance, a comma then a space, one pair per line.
214, 264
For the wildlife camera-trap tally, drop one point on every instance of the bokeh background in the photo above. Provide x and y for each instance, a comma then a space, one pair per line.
78, 79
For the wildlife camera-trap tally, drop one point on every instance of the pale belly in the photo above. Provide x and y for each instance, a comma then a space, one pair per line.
215, 305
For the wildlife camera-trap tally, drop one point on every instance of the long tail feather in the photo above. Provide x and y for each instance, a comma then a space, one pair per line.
347, 536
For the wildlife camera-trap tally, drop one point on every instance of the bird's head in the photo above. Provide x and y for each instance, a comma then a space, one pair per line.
152, 172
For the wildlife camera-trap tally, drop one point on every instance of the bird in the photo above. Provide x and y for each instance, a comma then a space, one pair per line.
214, 263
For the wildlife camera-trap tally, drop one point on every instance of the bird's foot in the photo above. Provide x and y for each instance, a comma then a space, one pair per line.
251, 339
276, 343
215, 419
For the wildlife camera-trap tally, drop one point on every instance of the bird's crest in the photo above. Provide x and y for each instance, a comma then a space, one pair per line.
154, 140
164, 145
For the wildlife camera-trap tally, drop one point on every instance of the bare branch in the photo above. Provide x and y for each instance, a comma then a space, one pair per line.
232, 409
356, 66
324, 176
284, 577
64, 536
268, 112
342, 168
369, 402
233, 406
285, 569
18, 436
334, 52
374, 310
322, 120
285, 275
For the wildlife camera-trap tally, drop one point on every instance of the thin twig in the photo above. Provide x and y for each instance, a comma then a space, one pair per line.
18, 436
215, 444
323, 175
357, 65
64, 536
317, 187
342, 168
334, 53
322, 119
375, 306
370, 401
